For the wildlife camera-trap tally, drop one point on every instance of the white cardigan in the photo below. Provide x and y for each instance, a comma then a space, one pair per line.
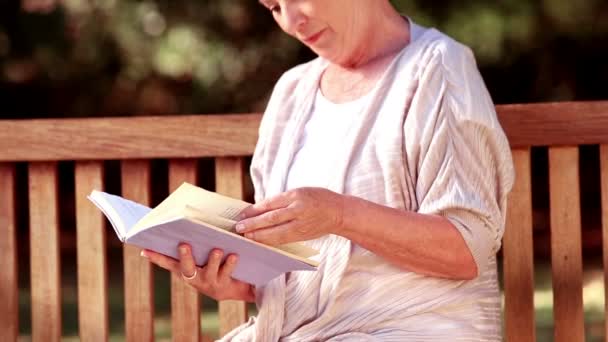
429, 141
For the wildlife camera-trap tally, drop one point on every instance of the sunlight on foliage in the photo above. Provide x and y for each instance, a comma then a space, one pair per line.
213, 56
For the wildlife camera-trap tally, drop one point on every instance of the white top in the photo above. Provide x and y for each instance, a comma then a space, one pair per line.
319, 146
427, 141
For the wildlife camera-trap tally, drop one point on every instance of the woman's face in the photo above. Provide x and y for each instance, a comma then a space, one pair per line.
325, 26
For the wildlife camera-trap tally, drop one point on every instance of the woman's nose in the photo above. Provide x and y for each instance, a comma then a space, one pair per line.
293, 19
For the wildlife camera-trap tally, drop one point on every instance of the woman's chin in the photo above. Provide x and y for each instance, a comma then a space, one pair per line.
324, 54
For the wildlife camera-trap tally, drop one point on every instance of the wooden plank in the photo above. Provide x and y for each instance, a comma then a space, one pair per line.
229, 180
139, 285
44, 252
555, 124
185, 300
518, 255
192, 136
129, 138
9, 290
604, 191
566, 254
91, 255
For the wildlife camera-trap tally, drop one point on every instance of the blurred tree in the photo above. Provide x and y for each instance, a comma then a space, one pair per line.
109, 57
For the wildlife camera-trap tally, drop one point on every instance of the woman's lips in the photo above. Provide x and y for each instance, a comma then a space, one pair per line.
312, 39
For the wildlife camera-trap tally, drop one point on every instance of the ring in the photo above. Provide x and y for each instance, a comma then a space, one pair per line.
192, 276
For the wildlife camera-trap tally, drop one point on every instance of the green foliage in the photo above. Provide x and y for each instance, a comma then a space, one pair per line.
108, 57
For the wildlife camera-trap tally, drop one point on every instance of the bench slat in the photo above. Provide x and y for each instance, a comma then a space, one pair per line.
191, 136
229, 180
44, 252
553, 124
91, 252
9, 290
139, 305
518, 256
604, 191
184, 136
185, 300
566, 250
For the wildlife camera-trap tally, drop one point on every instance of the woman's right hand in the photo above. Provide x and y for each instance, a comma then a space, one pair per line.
214, 279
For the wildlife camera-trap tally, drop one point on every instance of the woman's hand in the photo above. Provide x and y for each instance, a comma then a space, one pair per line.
214, 279
296, 215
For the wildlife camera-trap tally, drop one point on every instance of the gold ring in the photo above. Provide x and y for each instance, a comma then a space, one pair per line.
192, 276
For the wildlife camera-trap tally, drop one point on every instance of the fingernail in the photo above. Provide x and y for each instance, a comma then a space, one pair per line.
143, 254
240, 227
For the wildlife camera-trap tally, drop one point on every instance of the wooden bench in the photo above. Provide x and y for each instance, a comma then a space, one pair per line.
230, 139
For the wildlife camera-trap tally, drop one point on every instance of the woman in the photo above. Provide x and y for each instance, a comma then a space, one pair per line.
384, 154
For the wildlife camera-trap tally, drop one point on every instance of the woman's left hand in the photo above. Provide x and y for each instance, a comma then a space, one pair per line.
296, 215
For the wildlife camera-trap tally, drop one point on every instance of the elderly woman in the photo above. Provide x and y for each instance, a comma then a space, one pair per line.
384, 154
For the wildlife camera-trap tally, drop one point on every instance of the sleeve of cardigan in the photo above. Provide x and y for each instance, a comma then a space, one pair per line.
267, 143
463, 163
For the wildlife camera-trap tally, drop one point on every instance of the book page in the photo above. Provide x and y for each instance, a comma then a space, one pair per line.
298, 249
219, 210
210, 209
122, 213
292, 250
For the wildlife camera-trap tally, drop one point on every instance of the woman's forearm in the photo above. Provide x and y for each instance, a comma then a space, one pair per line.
426, 244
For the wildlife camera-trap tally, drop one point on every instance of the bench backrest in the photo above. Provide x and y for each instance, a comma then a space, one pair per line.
230, 139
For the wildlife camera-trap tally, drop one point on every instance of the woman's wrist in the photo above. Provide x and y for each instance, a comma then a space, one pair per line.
345, 226
340, 213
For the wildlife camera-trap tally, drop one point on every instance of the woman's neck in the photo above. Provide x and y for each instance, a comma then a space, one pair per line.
384, 34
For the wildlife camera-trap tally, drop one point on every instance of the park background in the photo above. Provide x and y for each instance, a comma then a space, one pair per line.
100, 58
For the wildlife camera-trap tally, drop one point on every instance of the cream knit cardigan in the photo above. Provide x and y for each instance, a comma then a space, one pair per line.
429, 142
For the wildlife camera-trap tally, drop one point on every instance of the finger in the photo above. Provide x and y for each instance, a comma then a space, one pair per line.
213, 264
279, 201
187, 265
277, 235
161, 260
268, 219
228, 267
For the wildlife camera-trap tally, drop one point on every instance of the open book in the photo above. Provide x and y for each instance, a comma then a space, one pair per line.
205, 220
